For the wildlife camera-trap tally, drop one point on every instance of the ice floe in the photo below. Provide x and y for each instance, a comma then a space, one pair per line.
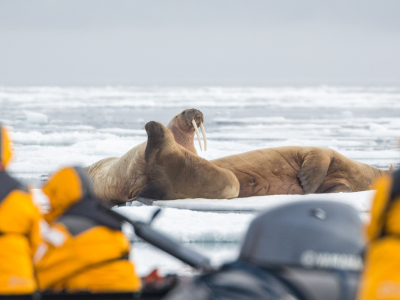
361, 201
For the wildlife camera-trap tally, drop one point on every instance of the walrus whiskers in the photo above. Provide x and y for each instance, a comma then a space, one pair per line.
204, 136
197, 133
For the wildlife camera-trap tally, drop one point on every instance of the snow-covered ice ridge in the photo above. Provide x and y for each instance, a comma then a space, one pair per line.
361, 201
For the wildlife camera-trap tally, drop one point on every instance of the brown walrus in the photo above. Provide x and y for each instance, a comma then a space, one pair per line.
173, 172
285, 170
298, 170
119, 179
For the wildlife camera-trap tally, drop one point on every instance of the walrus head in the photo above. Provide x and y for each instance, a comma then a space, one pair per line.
158, 137
154, 130
187, 117
184, 125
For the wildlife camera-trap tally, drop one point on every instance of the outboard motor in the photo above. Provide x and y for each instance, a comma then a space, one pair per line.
306, 250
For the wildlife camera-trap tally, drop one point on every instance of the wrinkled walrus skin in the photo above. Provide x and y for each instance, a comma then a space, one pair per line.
298, 170
118, 179
173, 172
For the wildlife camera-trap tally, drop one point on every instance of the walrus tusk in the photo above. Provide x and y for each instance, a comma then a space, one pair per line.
204, 136
197, 132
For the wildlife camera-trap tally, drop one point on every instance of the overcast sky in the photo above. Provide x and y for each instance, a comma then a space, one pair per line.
204, 42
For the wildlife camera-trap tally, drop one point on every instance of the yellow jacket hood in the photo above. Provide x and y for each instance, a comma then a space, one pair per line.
66, 188
70, 192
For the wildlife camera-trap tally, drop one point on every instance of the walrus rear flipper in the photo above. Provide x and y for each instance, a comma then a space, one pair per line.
313, 171
151, 192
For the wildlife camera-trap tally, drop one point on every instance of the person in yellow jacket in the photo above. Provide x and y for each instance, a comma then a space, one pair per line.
19, 229
381, 276
83, 247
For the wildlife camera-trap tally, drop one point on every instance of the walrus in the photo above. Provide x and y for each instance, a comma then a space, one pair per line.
173, 172
118, 179
298, 170
271, 171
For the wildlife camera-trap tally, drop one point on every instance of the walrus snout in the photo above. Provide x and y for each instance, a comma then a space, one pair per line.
193, 114
196, 119
153, 129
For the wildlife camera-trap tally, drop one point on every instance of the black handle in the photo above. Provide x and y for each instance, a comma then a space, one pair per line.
165, 243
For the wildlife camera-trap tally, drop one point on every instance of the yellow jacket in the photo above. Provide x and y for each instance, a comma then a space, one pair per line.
5, 147
83, 249
381, 276
19, 230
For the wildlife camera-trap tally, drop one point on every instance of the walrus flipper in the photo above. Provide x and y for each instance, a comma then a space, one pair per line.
313, 171
151, 192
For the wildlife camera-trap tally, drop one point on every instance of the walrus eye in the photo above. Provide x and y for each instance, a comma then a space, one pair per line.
198, 134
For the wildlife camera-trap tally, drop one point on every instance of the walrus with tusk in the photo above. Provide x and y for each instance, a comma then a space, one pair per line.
271, 171
119, 179
175, 173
